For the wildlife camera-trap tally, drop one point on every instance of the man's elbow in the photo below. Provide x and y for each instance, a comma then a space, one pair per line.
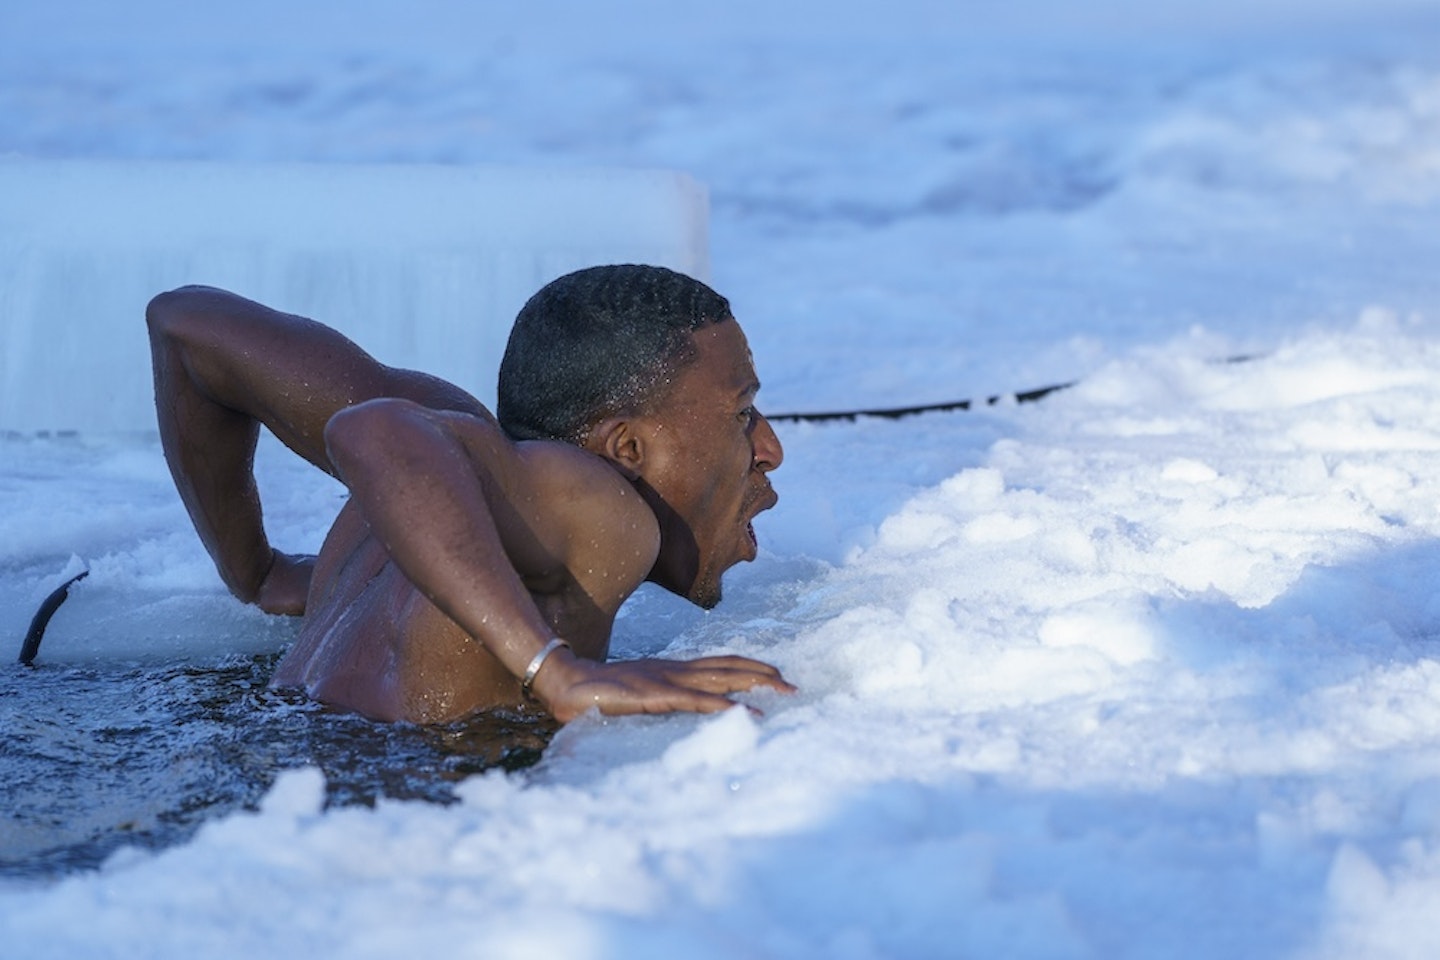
168, 314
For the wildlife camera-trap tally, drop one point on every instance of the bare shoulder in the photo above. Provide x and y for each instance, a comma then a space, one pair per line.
582, 485
579, 508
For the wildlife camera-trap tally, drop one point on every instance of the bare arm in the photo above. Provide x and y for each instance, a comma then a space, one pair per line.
224, 366
468, 516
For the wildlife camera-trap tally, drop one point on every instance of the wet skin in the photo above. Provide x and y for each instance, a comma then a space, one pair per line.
699, 462
460, 552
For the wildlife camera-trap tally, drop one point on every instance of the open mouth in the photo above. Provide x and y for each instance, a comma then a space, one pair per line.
764, 499
758, 502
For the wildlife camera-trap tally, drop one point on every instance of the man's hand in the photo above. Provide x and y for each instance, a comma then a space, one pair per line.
568, 685
287, 585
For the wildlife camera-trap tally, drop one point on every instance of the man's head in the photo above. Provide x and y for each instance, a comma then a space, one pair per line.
646, 368
598, 342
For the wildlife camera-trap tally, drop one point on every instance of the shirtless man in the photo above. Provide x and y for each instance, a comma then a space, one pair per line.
478, 560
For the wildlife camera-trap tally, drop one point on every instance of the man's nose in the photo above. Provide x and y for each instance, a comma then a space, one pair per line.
768, 451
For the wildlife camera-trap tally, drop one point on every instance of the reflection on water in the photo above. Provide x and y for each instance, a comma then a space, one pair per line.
98, 758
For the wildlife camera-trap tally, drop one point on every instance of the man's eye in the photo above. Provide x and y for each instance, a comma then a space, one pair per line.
746, 415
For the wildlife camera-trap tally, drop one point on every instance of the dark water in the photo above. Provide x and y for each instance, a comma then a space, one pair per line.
97, 758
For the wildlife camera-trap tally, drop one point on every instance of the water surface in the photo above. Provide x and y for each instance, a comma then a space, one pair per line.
103, 756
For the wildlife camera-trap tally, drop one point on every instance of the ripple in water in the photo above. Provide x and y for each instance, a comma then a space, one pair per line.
99, 758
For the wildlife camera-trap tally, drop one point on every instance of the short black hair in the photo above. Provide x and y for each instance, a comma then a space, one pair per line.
598, 342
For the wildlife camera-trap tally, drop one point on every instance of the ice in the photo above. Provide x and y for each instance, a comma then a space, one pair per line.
297, 793
425, 266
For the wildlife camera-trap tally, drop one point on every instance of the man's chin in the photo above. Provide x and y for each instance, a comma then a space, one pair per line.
706, 600
705, 594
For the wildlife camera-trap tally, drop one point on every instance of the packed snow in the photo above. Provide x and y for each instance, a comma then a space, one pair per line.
1146, 668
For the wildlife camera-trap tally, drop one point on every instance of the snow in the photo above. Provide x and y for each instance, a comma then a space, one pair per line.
1144, 669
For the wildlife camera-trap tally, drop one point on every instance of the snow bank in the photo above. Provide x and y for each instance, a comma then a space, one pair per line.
1149, 672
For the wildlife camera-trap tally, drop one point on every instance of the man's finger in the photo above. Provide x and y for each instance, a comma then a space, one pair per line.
713, 679
734, 662
690, 702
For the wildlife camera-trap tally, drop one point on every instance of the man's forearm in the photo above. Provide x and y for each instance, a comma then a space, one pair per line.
210, 451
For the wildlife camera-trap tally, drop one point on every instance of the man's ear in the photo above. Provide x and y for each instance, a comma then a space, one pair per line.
620, 440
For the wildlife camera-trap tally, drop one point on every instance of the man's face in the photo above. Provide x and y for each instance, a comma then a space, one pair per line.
708, 455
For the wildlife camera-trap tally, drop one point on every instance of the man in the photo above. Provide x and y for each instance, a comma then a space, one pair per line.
478, 560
